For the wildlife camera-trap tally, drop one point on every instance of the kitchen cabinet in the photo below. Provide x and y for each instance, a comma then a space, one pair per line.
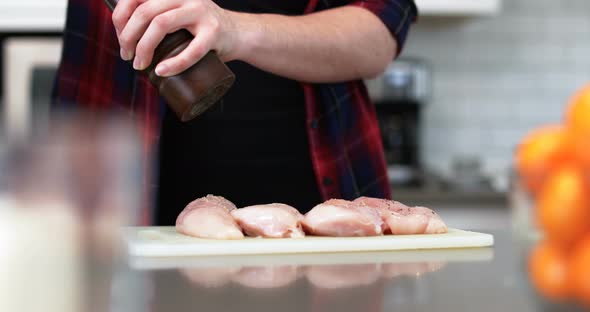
32, 15
49, 15
458, 7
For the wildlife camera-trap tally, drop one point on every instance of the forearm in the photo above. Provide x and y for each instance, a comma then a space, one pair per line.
340, 44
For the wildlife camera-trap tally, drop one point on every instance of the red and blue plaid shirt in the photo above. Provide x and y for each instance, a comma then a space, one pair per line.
344, 135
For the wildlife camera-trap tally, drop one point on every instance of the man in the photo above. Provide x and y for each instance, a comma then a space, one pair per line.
297, 126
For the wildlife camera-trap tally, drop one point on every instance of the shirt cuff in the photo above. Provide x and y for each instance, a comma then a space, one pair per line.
397, 15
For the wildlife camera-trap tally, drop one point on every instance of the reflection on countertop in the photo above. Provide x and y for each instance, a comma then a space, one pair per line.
293, 282
324, 276
321, 287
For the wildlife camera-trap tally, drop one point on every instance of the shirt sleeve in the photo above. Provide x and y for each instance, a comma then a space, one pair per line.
397, 15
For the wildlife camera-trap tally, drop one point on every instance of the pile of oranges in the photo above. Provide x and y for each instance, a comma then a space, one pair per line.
553, 162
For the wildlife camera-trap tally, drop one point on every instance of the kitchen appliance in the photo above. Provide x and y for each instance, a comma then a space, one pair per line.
399, 96
162, 241
195, 90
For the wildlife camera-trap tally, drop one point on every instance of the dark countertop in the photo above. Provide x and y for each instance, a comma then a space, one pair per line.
485, 279
434, 196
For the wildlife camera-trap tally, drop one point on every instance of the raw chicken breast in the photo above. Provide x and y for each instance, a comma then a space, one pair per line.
337, 217
416, 220
403, 222
209, 217
209, 200
435, 224
401, 219
342, 276
384, 208
272, 220
267, 277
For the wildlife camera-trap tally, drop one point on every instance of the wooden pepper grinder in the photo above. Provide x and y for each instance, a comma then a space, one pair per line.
195, 90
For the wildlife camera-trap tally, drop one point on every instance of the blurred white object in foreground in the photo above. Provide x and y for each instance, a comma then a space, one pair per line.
40, 261
64, 194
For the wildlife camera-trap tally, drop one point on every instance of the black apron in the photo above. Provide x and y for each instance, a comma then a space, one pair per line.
251, 148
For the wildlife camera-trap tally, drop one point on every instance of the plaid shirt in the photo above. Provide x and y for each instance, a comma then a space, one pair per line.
345, 141
343, 130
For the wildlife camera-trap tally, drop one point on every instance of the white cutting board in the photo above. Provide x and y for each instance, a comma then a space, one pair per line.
445, 255
166, 242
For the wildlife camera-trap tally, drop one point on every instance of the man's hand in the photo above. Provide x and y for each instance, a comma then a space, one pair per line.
142, 24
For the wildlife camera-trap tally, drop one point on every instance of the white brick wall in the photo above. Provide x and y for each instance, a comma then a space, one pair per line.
497, 78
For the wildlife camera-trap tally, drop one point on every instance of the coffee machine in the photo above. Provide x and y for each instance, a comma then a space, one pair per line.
400, 95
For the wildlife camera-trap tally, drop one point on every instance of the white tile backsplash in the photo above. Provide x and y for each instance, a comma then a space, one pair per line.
496, 78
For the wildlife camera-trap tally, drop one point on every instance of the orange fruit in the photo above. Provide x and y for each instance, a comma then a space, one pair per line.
579, 270
540, 151
578, 125
562, 205
548, 270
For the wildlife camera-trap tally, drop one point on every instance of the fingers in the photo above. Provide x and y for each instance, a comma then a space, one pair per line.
122, 13
161, 25
189, 56
138, 21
